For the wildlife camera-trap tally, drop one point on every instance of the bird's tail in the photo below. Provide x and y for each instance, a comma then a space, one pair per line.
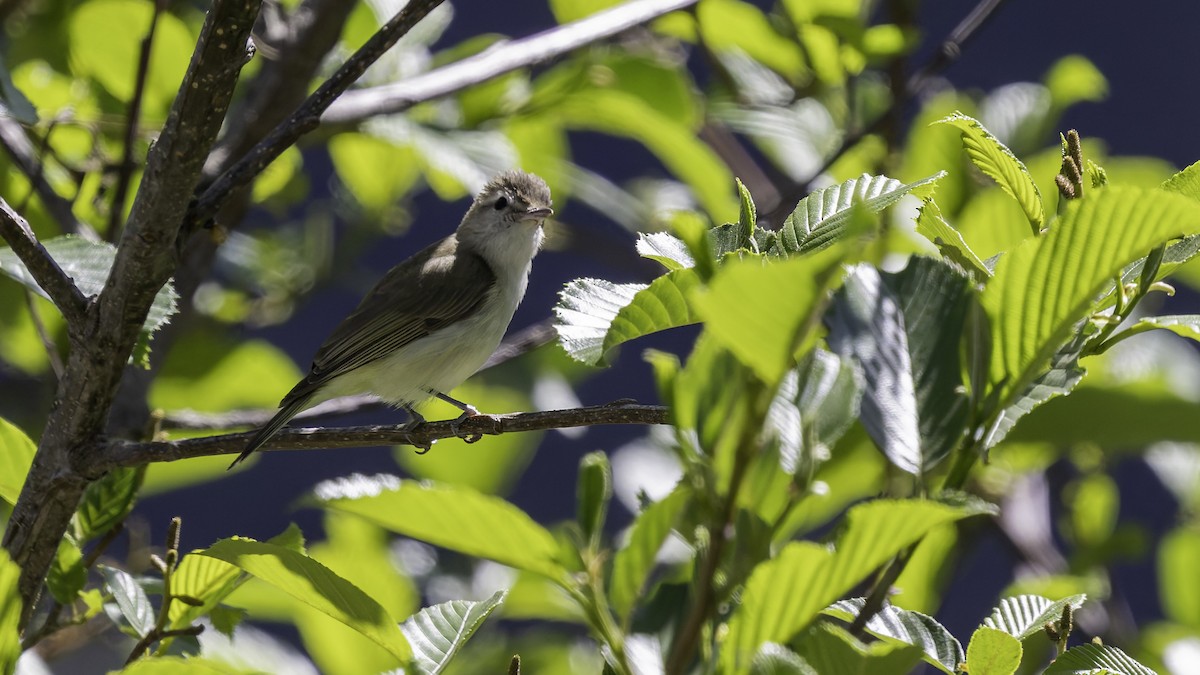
287, 412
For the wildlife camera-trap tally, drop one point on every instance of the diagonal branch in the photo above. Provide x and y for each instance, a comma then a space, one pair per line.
42, 267
356, 106
308, 116
21, 150
128, 453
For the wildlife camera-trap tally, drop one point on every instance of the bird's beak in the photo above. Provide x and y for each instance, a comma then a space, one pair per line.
538, 213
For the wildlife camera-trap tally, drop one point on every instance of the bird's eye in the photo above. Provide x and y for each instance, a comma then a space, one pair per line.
501, 203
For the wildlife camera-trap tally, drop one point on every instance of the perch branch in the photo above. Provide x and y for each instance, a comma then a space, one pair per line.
42, 266
357, 106
121, 453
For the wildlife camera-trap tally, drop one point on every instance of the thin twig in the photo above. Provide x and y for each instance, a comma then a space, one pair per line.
357, 106
52, 354
133, 117
42, 267
949, 52
308, 116
119, 453
21, 150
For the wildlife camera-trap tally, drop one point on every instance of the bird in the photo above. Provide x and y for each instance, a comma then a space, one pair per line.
434, 319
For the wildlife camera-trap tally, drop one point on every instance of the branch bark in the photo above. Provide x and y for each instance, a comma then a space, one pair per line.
42, 267
128, 453
357, 106
144, 262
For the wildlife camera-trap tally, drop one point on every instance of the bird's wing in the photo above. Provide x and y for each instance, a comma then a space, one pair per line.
432, 289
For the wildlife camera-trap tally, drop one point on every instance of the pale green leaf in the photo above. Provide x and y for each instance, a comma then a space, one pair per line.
949, 241
131, 599
941, 649
315, 585
1074, 78
762, 310
437, 633
10, 614
1179, 586
594, 315
825, 216
87, 263
1049, 283
1001, 165
106, 503
16, 456
1091, 659
666, 249
376, 171
775, 659
1186, 182
676, 146
1023, 615
993, 652
204, 578
452, 517
783, 595
180, 665
633, 562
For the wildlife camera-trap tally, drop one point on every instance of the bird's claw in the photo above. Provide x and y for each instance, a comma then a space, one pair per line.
413, 424
456, 423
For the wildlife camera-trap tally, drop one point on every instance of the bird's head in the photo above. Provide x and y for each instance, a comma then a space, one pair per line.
504, 223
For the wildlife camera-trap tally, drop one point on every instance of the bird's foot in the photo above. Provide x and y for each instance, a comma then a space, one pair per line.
468, 412
415, 422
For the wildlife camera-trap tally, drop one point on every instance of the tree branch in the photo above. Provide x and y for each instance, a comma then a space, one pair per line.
42, 267
20, 149
308, 116
357, 106
120, 453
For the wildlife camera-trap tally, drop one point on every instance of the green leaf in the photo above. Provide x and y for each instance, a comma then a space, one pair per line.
106, 503
67, 576
1179, 589
676, 146
1186, 182
315, 585
634, 561
437, 633
376, 171
993, 652
904, 331
762, 310
1000, 164
1074, 78
727, 25
16, 456
130, 598
592, 493
594, 315
88, 264
10, 614
747, 215
831, 649
950, 242
204, 578
452, 517
941, 649
1049, 283
824, 217
775, 659
105, 38
1183, 325
1090, 659
785, 594
209, 371
665, 248
1024, 615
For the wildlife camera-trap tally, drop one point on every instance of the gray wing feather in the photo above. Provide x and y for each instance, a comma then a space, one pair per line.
414, 299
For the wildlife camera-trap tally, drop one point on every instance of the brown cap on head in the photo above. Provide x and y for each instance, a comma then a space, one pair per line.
526, 186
